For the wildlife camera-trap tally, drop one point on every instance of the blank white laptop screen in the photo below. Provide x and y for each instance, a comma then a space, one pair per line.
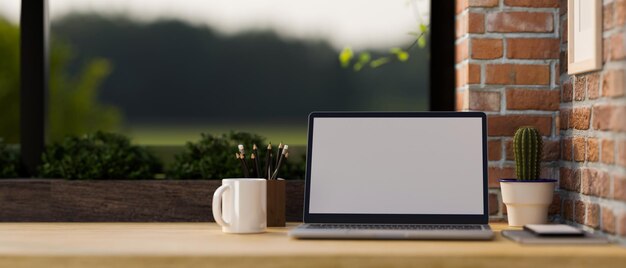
397, 166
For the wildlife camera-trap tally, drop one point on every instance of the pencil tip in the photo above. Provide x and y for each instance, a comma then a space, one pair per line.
240, 146
254, 146
269, 146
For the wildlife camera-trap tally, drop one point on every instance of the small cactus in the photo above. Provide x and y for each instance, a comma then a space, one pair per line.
527, 146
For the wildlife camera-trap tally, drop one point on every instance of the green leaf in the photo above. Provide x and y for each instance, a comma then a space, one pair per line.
379, 62
345, 56
400, 54
421, 42
423, 28
364, 58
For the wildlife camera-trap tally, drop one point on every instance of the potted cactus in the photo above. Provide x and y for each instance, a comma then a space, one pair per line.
528, 197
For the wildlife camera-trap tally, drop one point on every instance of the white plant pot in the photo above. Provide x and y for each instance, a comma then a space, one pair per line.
527, 202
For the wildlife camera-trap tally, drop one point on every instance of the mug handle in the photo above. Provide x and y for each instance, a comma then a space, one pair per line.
217, 205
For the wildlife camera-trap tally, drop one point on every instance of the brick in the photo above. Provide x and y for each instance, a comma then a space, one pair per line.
608, 220
607, 16
609, 117
619, 187
621, 153
563, 7
620, 12
493, 204
555, 206
608, 151
475, 23
581, 117
517, 74
578, 147
511, 22
601, 116
580, 87
593, 86
567, 92
616, 47
460, 5
593, 151
564, 118
486, 49
497, 173
460, 101
595, 182
592, 213
460, 51
484, 101
467, 74
568, 209
460, 25
551, 150
569, 179
532, 48
495, 150
483, 3
613, 83
566, 149
507, 125
532, 99
622, 224
579, 211
473, 74
535, 3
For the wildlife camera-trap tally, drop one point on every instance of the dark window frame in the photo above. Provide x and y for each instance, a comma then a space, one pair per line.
34, 45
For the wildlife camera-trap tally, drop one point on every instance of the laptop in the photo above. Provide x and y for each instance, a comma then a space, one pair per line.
396, 175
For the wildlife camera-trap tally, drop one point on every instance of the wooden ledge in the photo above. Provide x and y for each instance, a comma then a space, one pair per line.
204, 245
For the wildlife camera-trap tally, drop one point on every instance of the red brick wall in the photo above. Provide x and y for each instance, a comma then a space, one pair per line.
507, 66
593, 132
511, 63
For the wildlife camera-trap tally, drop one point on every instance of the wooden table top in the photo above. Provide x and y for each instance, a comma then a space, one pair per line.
204, 245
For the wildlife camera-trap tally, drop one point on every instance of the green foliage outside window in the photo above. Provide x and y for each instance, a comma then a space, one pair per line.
9, 162
213, 157
98, 156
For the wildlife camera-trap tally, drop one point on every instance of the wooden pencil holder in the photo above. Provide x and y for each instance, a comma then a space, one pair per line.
276, 203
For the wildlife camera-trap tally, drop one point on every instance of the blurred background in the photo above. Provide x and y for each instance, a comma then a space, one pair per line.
163, 71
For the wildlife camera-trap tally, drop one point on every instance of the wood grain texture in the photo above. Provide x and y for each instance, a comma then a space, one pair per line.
204, 245
276, 203
33, 200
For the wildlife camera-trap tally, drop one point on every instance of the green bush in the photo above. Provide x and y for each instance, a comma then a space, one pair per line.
9, 162
213, 157
98, 156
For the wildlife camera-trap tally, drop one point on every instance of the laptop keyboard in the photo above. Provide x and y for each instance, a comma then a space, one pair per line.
420, 227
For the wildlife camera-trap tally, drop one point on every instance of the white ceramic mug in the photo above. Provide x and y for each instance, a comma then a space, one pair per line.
239, 205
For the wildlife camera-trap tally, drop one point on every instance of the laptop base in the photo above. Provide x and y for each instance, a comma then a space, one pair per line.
308, 231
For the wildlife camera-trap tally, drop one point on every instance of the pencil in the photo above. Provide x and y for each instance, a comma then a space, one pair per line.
255, 163
242, 152
243, 165
280, 162
255, 152
268, 161
279, 153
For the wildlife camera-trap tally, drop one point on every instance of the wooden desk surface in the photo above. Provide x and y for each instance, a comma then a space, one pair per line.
204, 245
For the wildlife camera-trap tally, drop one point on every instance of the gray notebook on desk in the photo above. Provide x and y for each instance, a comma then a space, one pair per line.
524, 237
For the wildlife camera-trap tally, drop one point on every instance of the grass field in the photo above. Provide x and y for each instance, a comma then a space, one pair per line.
179, 135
